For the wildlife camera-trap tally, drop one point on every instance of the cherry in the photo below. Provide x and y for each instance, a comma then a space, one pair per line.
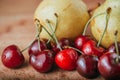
62, 42
42, 61
90, 48
65, 42
12, 57
112, 47
87, 66
55, 48
66, 59
108, 67
109, 63
34, 48
80, 41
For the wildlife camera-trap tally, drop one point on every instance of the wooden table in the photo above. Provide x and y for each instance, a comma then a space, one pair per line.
16, 27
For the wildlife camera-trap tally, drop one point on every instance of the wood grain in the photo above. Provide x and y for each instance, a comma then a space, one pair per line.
16, 27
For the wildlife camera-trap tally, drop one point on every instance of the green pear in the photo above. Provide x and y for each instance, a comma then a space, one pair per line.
72, 17
98, 24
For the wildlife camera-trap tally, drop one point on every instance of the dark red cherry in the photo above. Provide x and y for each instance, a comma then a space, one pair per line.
62, 42
43, 61
55, 47
108, 67
12, 57
113, 49
80, 41
90, 48
65, 42
34, 48
87, 66
66, 59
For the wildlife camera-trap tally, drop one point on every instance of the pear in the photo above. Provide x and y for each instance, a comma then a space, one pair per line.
72, 17
98, 24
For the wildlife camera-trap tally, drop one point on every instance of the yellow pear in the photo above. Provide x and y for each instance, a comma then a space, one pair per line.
72, 17
98, 24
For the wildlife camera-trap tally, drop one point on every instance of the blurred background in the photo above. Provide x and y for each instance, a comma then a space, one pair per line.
11, 7
16, 19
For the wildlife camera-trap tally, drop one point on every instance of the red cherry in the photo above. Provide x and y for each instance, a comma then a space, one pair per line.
55, 48
42, 61
66, 59
34, 48
80, 41
87, 66
113, 49
108, 67
90, 48
65, 42
62, 42
12, 57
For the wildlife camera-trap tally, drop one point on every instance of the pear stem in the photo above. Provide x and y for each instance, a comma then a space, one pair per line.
86, 26
116, 46
54, 36
107, 20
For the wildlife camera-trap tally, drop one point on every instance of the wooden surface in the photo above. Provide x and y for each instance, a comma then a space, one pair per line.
16, 27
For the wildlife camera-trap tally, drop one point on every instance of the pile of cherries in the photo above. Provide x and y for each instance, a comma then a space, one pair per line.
83, 54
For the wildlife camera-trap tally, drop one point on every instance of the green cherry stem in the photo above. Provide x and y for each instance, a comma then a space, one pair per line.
38, 30
56, 23
86, 26
74, 49
47, 32
107, 20
116, 46
54, 36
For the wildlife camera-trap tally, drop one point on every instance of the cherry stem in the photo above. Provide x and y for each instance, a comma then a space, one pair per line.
38, 30
47, 32
86, 26
107, 20
54, 36
74, 49
116, 46
56, 22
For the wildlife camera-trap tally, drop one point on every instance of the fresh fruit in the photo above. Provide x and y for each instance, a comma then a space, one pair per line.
12, 57
112, 48
109, 63
34, 48
66, 59
90, 48
43, 61
65, 42
80, 41
98, 23
62, 42
87, 66
108, 67
72, 16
